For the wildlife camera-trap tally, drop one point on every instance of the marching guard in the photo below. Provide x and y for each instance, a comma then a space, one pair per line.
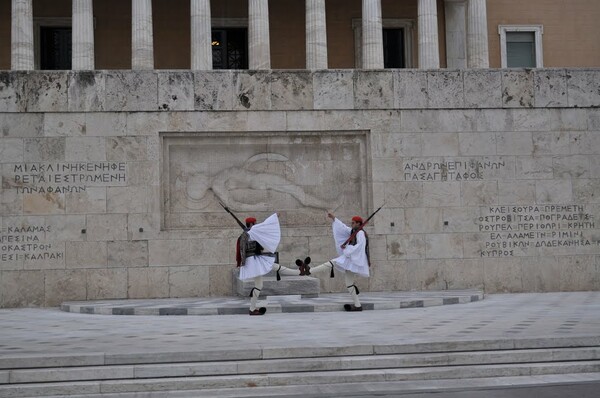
256, 253
352, 245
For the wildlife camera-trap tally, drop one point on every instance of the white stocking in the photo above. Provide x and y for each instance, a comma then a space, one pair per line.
349, 278
325, 267
258, 284
285, 270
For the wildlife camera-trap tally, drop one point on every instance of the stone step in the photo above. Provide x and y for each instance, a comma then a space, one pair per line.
390, 388
31, 361
189, 369
297, 378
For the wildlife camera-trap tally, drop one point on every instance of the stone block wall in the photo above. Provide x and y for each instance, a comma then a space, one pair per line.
111, 179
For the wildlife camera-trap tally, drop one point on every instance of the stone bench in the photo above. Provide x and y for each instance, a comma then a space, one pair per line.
305, 286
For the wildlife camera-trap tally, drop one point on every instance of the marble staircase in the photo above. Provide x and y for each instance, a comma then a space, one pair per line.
232, 372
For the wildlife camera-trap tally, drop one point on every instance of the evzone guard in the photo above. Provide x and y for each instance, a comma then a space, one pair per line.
256, 256
352, 246
256, 253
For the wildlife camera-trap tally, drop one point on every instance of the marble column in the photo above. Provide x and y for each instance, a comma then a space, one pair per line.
372, 35
142, 46
83, 35
259, 46
22, 35
429, 49
456, 43
201, 35
477, 35
316, 35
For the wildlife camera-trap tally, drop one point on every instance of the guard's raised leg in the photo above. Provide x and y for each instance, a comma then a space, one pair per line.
327, 266
280, 269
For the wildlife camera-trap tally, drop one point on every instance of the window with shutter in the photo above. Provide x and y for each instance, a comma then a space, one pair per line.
521, 46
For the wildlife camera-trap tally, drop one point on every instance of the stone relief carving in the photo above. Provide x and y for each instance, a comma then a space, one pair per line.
232, 186
300, 177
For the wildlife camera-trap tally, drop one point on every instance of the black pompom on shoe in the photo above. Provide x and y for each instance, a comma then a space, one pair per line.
306, 267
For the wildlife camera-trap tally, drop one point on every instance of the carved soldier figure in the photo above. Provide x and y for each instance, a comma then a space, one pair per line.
256, 255
352, 246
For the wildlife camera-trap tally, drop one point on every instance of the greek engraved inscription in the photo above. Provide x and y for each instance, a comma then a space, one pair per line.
452, 170
28, 243
64, 177
523, 230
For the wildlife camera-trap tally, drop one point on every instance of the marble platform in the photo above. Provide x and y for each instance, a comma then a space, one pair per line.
333, 302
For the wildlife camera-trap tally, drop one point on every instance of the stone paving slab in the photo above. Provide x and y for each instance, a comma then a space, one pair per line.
333, 302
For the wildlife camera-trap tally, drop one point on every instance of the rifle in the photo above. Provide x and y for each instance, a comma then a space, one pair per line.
360, 228
234, 217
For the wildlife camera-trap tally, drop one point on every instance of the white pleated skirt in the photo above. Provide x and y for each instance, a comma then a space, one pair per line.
256, 266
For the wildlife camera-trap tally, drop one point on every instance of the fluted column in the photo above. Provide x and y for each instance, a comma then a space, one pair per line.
477, 35
201, 35
142, 47
316, 35
259, 46
372, 35
456, 36
429, 49
83, 35
22, 35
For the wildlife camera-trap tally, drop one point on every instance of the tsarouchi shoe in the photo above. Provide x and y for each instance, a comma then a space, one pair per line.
352, 307
301, 267
258, 311
307, 261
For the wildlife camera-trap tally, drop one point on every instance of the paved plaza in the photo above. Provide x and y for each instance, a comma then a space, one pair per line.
497, 317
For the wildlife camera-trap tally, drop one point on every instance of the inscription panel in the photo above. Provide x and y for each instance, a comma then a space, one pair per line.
455, 169
298, 175
29, 245
529, 230
62, 177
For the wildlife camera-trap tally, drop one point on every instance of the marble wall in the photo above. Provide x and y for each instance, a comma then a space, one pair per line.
111, 179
